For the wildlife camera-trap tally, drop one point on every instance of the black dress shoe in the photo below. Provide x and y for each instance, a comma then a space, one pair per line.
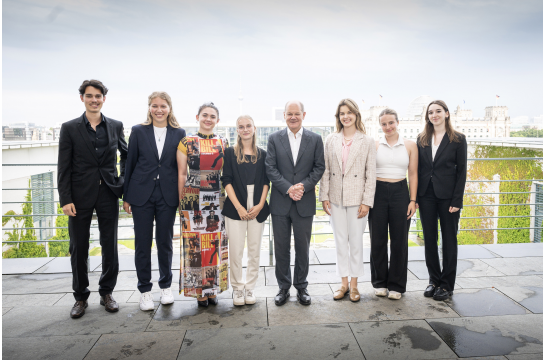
109, 303
282, 296
213, 301
303, 296
203, 303
78, 310
430, 290
441, 294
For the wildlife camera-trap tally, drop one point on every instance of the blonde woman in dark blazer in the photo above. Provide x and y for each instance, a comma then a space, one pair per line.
347, 192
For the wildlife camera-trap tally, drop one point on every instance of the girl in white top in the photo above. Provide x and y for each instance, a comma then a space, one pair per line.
393, 208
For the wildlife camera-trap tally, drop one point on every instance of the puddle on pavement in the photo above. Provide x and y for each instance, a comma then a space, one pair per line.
468, 343
421, 338
534, 302
463, 265
484, 302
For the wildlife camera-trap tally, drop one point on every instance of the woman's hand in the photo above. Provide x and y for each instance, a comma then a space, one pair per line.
453, 209
252, 214
363, 211
242, 213
326, 206
411, 210
127, 207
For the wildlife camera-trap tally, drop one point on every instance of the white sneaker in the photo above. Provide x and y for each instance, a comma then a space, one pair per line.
250, 297
166, 296
381, 291
146, 301
394, 295
238, 297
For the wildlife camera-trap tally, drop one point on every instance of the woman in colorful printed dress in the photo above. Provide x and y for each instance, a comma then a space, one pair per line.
203, 263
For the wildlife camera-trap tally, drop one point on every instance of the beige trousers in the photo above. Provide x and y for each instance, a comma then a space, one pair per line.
238, 231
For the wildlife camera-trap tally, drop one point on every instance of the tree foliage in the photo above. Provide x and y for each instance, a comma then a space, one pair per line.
61, 248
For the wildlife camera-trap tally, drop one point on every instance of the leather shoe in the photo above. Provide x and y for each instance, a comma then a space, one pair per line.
441, 294
109, 303
203, 303
282, 296
78, 310
303, 296
340, 293
213, 300
430, 290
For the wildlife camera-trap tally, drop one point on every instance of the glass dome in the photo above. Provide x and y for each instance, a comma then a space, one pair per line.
417, 105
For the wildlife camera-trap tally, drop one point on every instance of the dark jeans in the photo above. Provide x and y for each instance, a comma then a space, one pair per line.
390, 211
430, 207
107, 209
302, 228
164, 215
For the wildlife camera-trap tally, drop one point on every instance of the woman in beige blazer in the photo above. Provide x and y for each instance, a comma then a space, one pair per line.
347, 192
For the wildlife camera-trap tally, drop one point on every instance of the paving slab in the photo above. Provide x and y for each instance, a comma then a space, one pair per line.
409, 339
325, 310
53, 321
282, 342
36, 300
497, 281
474, 252
184, 315
492, 335
464, 268
23, 266
63, 265
120, 297
6, 309
40, 283
538, 356
483, 302
517, 266
146, 345
531, 297
51, 347
515, 250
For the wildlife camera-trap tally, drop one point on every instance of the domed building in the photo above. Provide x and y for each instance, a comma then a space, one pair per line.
416, 108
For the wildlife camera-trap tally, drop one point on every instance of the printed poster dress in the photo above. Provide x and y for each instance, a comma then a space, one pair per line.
204, 246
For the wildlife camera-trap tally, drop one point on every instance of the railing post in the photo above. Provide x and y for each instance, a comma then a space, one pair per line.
496, 187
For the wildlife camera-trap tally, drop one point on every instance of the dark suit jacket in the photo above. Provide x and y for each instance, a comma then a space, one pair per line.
231, 175
143, 165
79, 169
308, 170
448, 169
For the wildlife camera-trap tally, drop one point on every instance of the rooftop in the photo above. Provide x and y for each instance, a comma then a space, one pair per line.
495, 313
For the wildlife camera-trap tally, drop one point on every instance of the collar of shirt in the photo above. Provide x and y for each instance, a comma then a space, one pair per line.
296, 135
400, 141
88, 123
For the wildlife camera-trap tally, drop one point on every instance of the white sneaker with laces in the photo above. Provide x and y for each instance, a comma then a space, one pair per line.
146, 301
250, 297
166, 296
394, 295
381, 291
238, 297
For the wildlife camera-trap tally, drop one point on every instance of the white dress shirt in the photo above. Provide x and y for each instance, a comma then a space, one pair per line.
295, 143
160, 135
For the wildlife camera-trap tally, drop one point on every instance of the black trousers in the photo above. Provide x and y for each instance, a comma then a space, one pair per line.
143, 216
390, 211
107, 209
430, 208
302, 228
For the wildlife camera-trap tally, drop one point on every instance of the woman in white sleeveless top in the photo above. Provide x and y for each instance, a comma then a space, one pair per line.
393, 208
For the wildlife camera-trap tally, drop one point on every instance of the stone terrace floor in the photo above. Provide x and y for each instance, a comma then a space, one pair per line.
496, 313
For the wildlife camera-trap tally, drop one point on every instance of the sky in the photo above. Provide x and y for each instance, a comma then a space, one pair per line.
317, 52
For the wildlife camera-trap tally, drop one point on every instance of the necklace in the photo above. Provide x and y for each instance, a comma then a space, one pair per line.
160, 136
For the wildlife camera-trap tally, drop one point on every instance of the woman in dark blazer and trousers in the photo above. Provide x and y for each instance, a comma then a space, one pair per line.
151, 193
442, 165
245, 208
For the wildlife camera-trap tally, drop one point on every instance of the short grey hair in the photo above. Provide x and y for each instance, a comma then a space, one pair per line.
388, 111
301, 106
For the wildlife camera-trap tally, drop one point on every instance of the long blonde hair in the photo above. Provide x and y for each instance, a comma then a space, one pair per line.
355, 109
239, 148
171, 118
427, 134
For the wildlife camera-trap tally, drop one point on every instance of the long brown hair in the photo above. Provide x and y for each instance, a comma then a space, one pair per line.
171, 118
424, 138
239, 148
355, 109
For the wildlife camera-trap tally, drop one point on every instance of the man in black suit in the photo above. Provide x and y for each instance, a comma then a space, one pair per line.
88, 181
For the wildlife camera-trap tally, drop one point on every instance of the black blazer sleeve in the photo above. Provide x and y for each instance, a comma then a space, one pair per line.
461, 173
122, 147
131, 158
227, 175
64, 167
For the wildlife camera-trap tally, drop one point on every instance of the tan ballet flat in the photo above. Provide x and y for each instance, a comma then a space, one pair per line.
340, 293
354, 295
